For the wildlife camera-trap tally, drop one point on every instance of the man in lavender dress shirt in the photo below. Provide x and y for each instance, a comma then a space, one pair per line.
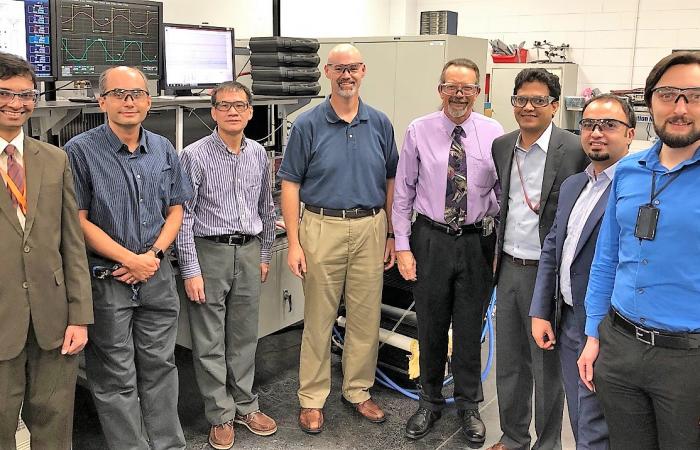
448, 251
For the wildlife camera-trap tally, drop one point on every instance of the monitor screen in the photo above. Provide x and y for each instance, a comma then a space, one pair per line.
94, 35
197, 56
25, 30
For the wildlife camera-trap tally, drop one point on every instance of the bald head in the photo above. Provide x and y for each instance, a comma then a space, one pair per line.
132, 74
344, 52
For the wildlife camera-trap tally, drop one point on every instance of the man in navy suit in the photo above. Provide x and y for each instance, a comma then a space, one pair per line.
557, 310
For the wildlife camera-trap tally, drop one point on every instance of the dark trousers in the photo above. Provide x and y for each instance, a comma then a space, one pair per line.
454, 283
130, 362
45, 381
585, 413
650, 395
520, 363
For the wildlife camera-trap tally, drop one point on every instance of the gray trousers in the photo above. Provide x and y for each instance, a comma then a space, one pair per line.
519, 361
130, 362
225, 328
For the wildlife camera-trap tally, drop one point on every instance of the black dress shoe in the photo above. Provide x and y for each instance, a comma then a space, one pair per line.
473, 427
421, 423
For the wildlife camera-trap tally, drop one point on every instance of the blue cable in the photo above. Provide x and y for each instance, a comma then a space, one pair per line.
387, 382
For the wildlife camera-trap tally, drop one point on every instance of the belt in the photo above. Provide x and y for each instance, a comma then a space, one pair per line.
683, 341
230, 239
471, 228
520, 261
354, 213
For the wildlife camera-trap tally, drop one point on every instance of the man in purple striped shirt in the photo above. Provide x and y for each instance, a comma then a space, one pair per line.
224, 249
447, 176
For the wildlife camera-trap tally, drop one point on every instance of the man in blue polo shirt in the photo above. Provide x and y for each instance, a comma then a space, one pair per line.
643, 299
130, 190
340, 161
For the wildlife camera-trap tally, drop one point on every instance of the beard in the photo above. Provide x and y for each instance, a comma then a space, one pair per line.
457, 110
676, 140
599, 156
346, 93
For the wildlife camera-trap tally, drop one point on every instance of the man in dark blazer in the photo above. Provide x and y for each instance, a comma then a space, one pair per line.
557, 310
531, 164
45, 296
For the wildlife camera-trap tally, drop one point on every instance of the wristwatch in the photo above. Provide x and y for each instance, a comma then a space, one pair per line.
158, 253
390, 235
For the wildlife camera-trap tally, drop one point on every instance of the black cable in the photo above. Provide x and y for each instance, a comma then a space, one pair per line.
56, 89
243, 68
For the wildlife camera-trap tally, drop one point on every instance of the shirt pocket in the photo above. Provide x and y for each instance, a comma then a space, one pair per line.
165, 181
481, 172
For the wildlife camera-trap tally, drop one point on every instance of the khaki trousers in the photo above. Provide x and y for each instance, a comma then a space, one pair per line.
343, 257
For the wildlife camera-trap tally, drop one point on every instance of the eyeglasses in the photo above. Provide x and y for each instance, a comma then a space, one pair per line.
240, 107
538, 101
341, 68
670, 94
605, 125
25, 97
122, 94
468, 90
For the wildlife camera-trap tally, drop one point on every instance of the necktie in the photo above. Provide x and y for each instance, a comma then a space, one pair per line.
456, 195
15, 172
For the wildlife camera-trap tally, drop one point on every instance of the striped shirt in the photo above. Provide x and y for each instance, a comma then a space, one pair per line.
232, 194
127, 194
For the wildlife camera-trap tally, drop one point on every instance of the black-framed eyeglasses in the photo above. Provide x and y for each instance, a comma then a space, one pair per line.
123, 94
468, 90
537, 101
240, 107
605, 125
28, 96
341, 68
670, 94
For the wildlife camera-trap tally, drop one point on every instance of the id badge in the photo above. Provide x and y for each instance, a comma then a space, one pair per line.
647, 219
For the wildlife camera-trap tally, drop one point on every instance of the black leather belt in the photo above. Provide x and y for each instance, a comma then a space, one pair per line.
355, 213
230, 239
520, 261
471, 228
682, 341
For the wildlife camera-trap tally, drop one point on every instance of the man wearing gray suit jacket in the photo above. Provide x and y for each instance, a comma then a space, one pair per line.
531, 164
557, 311
45, 299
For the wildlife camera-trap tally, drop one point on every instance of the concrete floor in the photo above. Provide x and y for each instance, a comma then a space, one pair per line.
276, 380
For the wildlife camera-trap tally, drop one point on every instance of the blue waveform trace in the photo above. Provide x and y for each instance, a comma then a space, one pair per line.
109, 57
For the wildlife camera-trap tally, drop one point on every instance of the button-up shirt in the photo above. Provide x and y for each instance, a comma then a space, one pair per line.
127, 194
421, 177
521, 237
654, 283
591, 194
232, 194
18, 142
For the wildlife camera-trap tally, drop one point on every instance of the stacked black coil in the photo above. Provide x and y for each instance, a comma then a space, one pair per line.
284, 66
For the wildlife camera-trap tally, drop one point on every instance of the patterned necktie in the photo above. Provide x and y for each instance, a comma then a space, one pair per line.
456, 195
15, 172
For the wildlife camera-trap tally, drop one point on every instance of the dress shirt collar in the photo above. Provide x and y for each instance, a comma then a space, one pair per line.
116, 144
542, 142
608, 173
222, 145
651, 160
332, 117
18, 142
448, 125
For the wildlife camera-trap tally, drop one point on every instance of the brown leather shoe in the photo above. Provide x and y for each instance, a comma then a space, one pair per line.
221, 436
258, 423
498, 446
369, 410
311, 420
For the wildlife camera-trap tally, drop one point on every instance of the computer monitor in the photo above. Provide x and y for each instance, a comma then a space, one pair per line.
94, 35
197, 57
26, 30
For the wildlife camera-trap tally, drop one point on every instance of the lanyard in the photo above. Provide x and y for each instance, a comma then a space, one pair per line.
536, 207
654, 192
19, 196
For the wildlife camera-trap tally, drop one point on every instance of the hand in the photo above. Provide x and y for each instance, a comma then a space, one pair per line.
543, 333
194, 288
296, 260
141, 268
407, 264
74, 339
264, 271
389, 254
586, 361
